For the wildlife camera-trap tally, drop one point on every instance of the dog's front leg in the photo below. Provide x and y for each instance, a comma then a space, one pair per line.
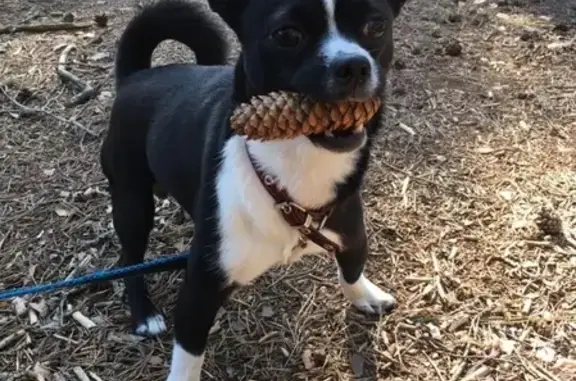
348, 220
360, 291
200, 297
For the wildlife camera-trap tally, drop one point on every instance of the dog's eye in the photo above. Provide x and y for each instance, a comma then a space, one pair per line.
288, 37
374, 29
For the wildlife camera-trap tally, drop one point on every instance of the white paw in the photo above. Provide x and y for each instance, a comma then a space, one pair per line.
368, 297
153, 326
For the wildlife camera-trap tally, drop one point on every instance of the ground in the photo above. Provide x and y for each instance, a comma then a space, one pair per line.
480, 135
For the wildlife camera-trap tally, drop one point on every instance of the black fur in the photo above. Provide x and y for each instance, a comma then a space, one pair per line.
164, 21
169, 124
146, 99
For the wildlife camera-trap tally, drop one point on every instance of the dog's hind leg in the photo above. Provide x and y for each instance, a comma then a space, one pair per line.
133, 215
132, 189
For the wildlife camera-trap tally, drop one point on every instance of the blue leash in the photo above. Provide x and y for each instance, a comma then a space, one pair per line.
171, 262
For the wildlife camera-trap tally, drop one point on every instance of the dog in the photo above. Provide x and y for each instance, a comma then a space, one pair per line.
255, 204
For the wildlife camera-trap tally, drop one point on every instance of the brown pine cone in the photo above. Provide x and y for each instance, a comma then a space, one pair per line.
549, 222
283, 115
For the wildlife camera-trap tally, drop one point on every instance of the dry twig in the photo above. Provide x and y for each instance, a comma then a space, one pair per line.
10, 338
42, 28
83, 320
29, 111
87, 92
80, 374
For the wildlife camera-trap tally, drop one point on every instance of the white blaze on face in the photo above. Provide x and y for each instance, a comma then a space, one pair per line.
336, 45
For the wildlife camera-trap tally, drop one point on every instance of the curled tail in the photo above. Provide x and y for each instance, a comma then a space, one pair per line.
187, 22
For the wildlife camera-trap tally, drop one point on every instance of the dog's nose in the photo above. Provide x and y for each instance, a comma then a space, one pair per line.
351, 70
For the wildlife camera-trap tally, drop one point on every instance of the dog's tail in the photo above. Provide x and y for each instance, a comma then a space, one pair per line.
187, 22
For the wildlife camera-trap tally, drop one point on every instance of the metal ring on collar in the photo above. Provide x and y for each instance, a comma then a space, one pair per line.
286, 208
269, 180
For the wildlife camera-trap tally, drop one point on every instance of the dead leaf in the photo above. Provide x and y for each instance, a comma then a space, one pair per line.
19, 306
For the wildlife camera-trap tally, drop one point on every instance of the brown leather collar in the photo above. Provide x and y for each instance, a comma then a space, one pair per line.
309, 222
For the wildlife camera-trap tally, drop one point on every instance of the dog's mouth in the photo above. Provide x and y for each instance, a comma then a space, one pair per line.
341, 141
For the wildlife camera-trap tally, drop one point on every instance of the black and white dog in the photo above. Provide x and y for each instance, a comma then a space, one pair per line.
170, 129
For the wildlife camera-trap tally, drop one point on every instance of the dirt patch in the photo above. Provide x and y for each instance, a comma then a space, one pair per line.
481, 134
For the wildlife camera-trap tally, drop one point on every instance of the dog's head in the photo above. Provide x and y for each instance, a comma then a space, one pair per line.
326, 49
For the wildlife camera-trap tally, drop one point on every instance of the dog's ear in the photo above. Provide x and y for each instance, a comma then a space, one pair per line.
230, 11
396, 6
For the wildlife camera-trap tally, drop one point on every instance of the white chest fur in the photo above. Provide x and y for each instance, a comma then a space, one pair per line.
254, 235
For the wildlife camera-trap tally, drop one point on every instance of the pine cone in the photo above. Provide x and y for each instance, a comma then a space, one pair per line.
283, 115
549, 222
